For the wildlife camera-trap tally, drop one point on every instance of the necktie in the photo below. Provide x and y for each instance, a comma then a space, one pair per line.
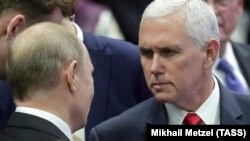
192, 119
231, 81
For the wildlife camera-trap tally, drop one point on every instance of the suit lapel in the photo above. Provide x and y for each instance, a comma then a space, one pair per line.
157, 113
230, 111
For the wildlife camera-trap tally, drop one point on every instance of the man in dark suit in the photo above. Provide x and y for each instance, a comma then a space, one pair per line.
177, 59
118, 78
237, 55
57, 86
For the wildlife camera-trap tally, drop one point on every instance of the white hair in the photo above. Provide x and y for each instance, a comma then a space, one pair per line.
200, 20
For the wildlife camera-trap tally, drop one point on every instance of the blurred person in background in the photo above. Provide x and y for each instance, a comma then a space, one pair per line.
97, 19
232, 67
127, 14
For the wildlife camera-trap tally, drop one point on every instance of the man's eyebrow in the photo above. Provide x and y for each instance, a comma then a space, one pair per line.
167, 48
143, 49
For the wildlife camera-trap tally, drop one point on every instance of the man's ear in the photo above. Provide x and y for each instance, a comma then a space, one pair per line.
71, 75
15, 25
212, 52
240, 5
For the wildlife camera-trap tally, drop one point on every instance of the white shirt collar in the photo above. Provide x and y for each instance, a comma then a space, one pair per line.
59, 123
208, 111
79, 32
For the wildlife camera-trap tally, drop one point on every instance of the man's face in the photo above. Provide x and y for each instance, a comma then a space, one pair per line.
172, 64
228, 13
10, 20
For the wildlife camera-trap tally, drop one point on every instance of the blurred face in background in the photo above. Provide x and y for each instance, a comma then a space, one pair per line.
228, 13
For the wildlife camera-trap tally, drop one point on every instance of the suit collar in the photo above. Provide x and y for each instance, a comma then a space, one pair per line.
230, 111
157, 113
79, 32
35, 123
57, 121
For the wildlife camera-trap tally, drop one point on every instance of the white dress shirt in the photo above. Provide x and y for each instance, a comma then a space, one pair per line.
79, 32
209, 111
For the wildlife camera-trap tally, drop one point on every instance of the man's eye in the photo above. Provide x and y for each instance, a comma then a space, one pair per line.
167, 52
147, 53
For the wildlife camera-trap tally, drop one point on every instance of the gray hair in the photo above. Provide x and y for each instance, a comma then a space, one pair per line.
201, 22
37, 56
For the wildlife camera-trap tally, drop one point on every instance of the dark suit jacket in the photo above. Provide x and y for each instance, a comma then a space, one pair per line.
25, 127
7, 105
131, 125
118, 78
242, 54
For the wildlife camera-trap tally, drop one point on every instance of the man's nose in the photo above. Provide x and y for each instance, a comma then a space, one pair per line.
157, 66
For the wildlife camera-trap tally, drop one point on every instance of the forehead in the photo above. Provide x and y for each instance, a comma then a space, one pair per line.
172, 22
158, 31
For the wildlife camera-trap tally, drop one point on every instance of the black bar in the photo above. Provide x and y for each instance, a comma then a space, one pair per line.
198, 132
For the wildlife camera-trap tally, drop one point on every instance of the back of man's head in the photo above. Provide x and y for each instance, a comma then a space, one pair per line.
228, 13
37, 56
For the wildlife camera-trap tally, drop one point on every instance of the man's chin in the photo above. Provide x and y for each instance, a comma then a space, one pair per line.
223, 38
162, 97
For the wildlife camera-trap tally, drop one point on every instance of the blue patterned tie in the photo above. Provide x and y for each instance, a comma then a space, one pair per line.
231, 81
